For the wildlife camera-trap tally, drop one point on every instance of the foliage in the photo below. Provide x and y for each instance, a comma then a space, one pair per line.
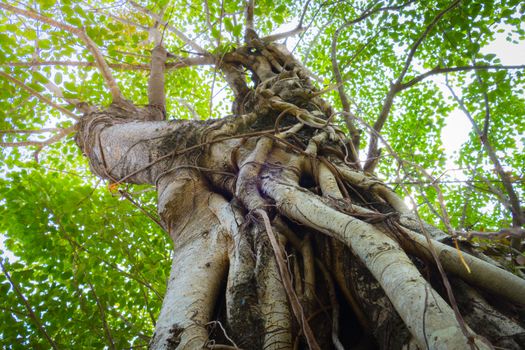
92, 266
78, 249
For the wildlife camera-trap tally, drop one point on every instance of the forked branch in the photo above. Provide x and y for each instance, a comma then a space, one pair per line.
82, 35
505, 179
395, 88
172, 29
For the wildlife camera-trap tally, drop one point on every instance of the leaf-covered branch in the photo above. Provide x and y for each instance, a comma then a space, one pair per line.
373, 153
82, 35
172, 29
32, 315
38, 95
442, 70
40, 144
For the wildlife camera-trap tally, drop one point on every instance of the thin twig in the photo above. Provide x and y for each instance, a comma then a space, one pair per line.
394, 88
224, 332
82, 35
287, 282
38, 95
107, 331
126, 195
172, 29
28, 307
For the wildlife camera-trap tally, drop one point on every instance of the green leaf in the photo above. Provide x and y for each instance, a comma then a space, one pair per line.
58, 78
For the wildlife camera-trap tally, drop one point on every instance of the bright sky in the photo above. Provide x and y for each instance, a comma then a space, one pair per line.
457, 125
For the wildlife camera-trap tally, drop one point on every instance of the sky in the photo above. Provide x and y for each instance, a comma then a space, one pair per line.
457, 125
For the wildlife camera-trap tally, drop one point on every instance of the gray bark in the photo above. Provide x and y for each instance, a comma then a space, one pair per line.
279, 155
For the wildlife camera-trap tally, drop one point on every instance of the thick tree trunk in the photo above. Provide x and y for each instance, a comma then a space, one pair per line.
281, 242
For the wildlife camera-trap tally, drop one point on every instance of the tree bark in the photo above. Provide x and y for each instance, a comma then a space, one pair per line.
270, 186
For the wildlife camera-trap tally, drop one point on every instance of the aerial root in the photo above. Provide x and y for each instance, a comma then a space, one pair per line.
483, 274
304, 246
272, 295
348, 294
246, 188
411, 295
244, 323
253, 280
328, 182
365, 182
287, 282
334, 304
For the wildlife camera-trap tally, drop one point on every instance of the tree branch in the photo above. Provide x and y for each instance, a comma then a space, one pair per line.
29, 131
349, 116
124, 66
250, 33
439, 70
156, 93
41, 144
107, 331
38, 95
181, 62
172, 29
513, 232
297, 30
283, 35
28, 307
505, 179
394, 89
82, 35
207, 13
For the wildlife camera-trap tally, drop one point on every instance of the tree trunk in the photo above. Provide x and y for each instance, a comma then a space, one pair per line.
281, 241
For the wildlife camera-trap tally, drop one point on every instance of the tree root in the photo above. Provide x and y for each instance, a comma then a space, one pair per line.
388, 263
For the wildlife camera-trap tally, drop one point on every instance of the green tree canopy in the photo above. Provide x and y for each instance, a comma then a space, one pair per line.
84, 263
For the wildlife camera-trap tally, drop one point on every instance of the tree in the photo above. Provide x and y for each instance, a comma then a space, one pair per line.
282, 235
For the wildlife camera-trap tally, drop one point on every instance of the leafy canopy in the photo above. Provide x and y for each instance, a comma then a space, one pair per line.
87, 267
